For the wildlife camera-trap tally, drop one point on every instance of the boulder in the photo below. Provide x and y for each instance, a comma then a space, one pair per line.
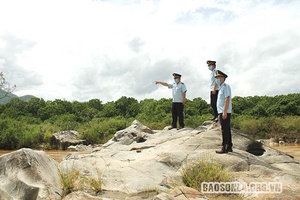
64, 139
137, 132
29, 174
130, 167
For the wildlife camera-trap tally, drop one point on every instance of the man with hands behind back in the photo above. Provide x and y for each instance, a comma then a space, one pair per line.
224, 106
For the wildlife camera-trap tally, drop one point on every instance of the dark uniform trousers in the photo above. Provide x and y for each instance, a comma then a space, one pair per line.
213, 102
177, 111
226, 132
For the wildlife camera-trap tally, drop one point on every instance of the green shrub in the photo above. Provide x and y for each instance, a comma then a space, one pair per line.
196, 121
31, 124
155, 125
268, 127
8, 140
30, 138
236, 120
100, 130
66, 122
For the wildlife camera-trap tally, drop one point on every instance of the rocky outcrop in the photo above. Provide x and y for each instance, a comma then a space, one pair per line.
29, 175
129, 167
140, 163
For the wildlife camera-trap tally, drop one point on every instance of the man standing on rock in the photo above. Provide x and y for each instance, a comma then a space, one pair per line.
179, 99
214, 88
224, 106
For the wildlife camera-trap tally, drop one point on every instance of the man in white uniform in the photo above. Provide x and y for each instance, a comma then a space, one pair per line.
224, 106
214, 88
179, 99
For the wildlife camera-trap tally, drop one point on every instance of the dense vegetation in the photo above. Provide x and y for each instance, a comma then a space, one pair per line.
32, 123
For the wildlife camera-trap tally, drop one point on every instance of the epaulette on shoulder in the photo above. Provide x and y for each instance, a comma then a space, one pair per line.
182, 83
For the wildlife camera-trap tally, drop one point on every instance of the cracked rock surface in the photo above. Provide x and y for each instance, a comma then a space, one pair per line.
140, 163
155, 164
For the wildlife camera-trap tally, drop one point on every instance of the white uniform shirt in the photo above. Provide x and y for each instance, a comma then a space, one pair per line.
224, 92
213, 80
178, 90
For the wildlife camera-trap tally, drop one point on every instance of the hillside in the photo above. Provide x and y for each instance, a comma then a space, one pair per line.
4, 99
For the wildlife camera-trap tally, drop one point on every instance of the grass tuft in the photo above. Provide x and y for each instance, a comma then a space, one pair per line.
73, 181
202, 171
68, 181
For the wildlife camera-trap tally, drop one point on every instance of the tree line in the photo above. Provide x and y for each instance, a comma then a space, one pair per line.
31, 123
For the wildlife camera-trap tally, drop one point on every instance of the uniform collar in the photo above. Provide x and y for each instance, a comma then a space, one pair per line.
224, 84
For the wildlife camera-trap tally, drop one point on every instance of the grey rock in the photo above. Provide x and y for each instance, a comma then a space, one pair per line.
136, 132
29, 174
132, 167
64, 139
79, 195
80, 147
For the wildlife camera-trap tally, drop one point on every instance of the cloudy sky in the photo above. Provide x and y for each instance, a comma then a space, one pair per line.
106, 49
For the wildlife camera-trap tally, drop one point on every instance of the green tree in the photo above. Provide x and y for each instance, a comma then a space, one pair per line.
243, 105
284, 105
109, 110
147, 110
96, 104
89, 113
66, 122
127, 107
197, 107
33, 106
15, 108
164, 106
64, 106
78, 108
51, 109
259, 111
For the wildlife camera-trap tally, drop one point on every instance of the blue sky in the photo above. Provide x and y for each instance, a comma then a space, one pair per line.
106, 49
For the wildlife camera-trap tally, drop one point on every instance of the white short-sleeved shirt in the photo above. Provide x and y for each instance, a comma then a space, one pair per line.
213, 79
177, 91
224, 92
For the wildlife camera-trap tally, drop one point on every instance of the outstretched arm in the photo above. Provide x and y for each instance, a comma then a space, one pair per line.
162, 83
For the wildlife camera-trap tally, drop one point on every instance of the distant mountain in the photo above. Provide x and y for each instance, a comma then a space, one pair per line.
5, 99
26, 97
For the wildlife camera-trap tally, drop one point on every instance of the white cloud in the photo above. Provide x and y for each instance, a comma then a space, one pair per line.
83, 49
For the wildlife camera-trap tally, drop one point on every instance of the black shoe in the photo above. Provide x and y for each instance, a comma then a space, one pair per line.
229, 150
213, 119
216, 120
180, 128
171, 128
222, 151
